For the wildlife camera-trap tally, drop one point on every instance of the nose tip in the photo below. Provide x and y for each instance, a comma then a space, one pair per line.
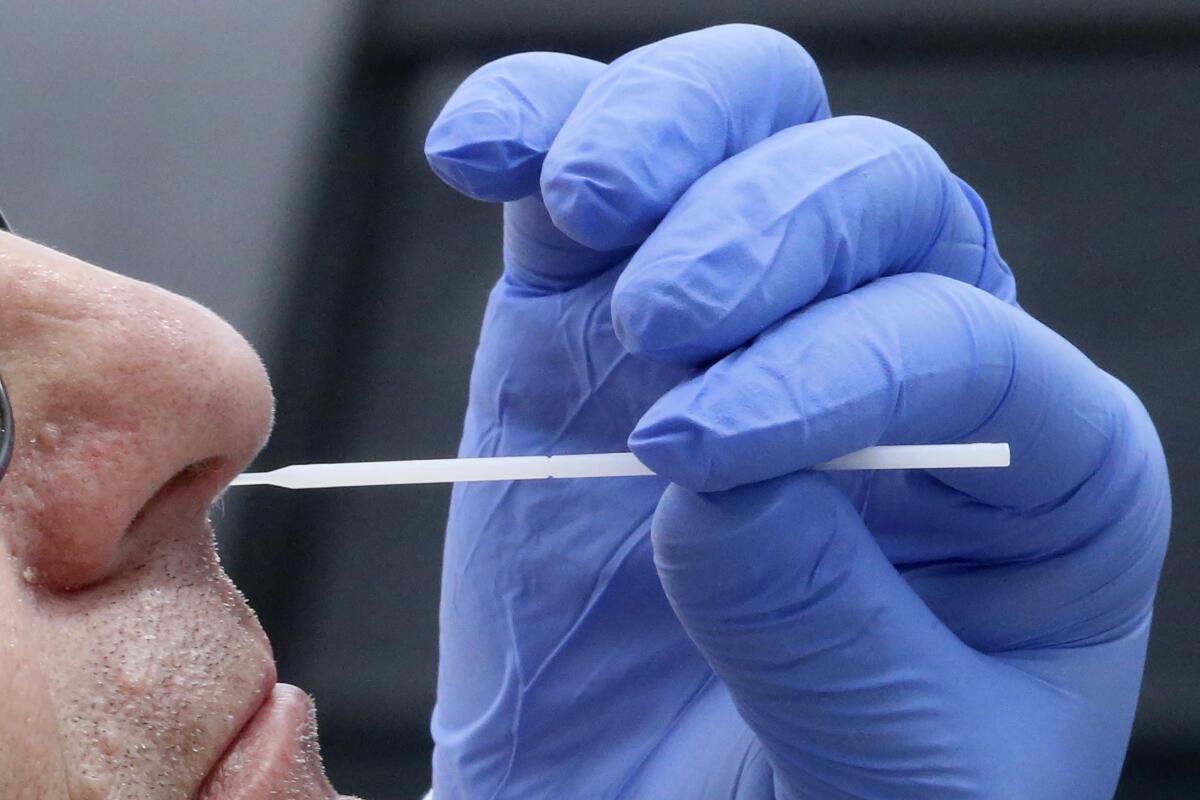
130, 404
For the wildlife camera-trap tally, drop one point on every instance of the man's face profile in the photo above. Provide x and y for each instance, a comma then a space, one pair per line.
130, 667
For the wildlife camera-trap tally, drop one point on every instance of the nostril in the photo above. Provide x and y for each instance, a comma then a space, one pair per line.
204, 469
200, 476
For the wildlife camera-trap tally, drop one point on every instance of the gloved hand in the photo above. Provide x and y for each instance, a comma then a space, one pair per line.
695, 253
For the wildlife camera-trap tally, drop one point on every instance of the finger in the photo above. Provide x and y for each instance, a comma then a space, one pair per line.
812, 212
853, 686
663, 115
489, 143
907, 359
491, 137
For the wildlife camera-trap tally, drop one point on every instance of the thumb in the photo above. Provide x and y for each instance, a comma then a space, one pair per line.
852, 685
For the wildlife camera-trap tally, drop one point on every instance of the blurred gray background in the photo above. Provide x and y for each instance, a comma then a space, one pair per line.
265, 158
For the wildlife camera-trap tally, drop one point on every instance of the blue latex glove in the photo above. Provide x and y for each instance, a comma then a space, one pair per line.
696, 253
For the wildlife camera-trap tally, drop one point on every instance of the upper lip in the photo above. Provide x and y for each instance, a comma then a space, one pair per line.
243, 719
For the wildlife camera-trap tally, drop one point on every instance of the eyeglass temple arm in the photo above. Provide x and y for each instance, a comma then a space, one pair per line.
7, 432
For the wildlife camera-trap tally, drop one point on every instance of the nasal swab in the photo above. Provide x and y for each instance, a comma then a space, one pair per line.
594, 465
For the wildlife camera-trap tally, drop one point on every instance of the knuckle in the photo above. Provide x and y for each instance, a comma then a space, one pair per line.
881, 130
767, 37
1139, 455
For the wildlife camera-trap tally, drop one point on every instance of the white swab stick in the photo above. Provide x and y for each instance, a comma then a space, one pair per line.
593, 465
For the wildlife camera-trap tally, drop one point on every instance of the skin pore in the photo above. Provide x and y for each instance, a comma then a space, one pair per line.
130, 666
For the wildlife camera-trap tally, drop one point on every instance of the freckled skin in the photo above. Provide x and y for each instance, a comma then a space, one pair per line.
128, 661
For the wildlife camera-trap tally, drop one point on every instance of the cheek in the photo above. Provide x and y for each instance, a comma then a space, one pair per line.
32, 762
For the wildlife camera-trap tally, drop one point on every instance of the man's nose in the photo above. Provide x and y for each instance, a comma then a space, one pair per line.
129, 402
